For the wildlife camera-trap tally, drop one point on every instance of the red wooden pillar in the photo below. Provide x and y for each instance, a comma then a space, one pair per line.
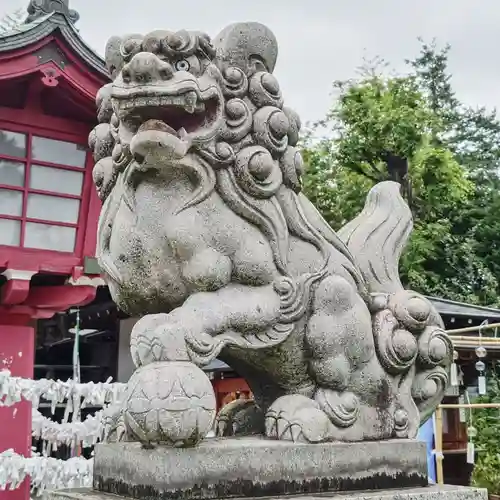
17, 341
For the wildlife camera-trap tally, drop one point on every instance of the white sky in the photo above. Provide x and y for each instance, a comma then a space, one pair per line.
323, 40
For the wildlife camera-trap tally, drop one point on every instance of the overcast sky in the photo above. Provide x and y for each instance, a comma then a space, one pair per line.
323, 40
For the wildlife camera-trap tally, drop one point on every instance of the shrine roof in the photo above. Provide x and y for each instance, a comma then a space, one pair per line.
42, 26
453, 308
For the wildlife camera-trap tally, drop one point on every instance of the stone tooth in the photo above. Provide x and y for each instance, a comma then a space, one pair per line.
190, 100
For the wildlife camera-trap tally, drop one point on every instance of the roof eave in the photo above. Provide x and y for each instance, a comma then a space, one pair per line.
454, 308
52, 23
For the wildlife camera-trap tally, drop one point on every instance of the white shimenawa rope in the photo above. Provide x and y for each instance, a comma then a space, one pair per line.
14, 389
87, 432
47, 473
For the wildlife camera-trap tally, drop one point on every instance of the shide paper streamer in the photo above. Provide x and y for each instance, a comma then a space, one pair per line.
45, 472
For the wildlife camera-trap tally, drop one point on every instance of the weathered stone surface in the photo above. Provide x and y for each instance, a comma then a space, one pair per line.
204, 231
428, 493
254, 467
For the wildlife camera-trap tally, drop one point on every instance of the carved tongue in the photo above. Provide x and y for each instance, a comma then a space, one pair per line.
157, 125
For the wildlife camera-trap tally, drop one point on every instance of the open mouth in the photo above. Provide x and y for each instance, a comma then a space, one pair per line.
178, 115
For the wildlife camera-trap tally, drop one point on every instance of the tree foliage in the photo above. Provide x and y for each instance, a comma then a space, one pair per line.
453, 153
486, 421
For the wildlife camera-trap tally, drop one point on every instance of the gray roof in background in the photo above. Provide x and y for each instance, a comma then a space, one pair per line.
461, 309
216, 365
41, 27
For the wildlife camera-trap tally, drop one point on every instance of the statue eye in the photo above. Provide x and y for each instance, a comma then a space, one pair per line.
182, 65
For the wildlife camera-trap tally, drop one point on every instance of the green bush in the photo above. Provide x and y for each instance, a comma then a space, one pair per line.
487, 423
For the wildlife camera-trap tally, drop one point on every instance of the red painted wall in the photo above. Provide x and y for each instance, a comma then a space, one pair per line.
16, 355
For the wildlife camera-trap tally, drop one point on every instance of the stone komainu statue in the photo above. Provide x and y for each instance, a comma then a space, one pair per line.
204, 233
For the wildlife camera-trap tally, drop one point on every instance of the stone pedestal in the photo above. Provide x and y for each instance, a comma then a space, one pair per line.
256, 467
426, 493
247, 468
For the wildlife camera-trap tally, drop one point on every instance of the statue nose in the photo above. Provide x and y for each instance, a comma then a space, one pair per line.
146, 67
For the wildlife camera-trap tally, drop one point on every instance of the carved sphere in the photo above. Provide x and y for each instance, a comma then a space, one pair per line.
261, 166
101, 141
418, 308
401, 423
270, 84
264, 90
102, 175
169, 402
236, 109
379, 302
256, 172
234, 83
410, 309
438, 349
131, 46
400, 417
429, 388
279, 124
435, 348
295, 125
153, 41
234, 75
224, 151
405, 345
176, 40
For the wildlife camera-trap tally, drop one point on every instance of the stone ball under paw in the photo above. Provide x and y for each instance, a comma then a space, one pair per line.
169, 402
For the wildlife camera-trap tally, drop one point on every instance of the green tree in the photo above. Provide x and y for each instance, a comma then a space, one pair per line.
472, 134
486, 421
474, 137
374, 115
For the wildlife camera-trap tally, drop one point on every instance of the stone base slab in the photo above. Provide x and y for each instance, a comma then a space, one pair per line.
256, 467
427, 493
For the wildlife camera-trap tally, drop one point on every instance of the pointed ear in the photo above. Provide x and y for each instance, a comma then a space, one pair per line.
251, 47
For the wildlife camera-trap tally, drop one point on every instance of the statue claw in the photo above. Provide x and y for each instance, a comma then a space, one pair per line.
295, 432
271, 426
220, 428
297, 418
241, 417
282, 426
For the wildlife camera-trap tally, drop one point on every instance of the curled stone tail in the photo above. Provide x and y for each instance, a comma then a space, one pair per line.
378, 235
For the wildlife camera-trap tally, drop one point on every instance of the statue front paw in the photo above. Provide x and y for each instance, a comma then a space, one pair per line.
299, 419
241, 417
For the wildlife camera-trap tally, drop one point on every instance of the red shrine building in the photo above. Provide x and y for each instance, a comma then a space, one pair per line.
48, 207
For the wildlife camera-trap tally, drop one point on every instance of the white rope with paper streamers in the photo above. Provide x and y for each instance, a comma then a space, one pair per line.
76, 395
46, 473
87, 432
